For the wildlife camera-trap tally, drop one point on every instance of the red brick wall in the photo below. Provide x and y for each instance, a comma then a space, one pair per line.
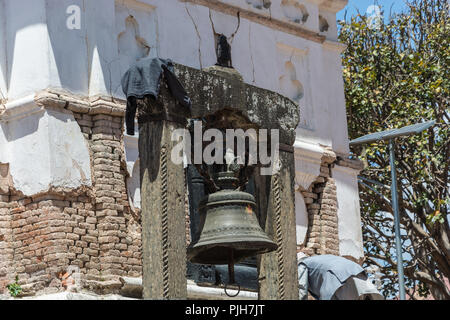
93, 229
321, 203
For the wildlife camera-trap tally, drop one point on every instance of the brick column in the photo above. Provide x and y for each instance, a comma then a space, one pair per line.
109, 186
321, 203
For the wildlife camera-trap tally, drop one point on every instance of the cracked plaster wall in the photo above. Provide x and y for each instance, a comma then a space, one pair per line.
350, 236
45, 150
91, 60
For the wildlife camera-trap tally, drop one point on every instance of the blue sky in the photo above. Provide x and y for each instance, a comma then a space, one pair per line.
363, 5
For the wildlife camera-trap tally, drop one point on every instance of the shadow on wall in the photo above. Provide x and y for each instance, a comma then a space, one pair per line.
90, 45
46, 149
85, 58
9, 29
19, 129
323, 24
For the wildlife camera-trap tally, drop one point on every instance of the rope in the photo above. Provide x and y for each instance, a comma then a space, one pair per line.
279, 235
164, 222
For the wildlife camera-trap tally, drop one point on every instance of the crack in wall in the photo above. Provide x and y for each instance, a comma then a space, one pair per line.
216, 34
212, 23
237, 28
271, 22
251, 52
198, 35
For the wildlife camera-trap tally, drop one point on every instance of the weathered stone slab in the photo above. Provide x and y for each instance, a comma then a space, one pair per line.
214, 89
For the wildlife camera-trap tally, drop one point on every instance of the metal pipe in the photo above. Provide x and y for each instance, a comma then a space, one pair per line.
398, 243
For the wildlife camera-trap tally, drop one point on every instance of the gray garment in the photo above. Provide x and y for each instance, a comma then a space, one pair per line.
327, 273
143, 77
302, 282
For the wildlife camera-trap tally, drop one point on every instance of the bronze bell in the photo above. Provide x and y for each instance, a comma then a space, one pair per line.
230, 231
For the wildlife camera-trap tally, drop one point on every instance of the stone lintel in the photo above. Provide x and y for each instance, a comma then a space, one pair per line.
215, 89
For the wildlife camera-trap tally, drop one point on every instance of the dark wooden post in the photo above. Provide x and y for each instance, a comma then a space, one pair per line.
163, 202
278, 270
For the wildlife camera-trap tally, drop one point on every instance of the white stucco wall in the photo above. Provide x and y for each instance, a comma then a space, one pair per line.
132, 159
44, 148
301, 218
3, 71
349, 220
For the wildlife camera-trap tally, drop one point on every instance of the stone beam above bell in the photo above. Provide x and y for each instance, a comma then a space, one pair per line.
215, 89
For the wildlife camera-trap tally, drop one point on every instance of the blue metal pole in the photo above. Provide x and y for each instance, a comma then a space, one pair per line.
398, 243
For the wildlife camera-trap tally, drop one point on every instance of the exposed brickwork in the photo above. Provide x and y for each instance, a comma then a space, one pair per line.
118, 233
321, 203
46, 236
6, 251
93, 229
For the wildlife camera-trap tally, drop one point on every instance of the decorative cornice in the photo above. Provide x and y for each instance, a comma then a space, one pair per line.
332, 5
307, 149
308, 159
348, 166
80, 104
61, 100
334, 46
20, 108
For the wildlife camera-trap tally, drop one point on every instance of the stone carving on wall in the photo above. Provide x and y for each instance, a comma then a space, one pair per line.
294, 11
289, 83
137, 38
260, 4
323, 24
295, 80
131, 44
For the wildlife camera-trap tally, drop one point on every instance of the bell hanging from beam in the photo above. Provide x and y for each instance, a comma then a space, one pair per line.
229, 229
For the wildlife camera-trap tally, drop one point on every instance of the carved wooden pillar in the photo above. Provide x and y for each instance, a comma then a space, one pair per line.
278, 269
163, 202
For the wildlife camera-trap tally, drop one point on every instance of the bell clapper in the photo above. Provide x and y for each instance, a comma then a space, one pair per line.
231, 280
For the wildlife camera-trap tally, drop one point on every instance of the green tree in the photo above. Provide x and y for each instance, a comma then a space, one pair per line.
396, 73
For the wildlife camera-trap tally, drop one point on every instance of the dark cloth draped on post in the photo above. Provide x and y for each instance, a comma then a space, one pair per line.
143, 79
